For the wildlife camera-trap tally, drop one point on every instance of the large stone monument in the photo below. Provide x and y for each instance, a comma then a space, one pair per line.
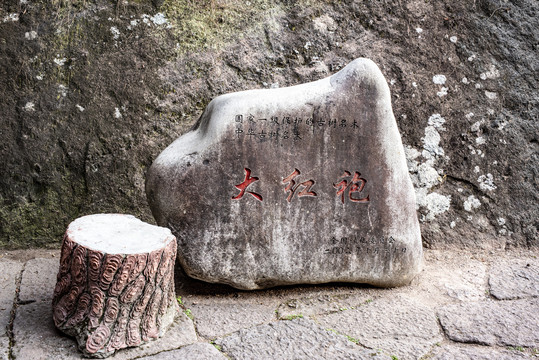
306, 184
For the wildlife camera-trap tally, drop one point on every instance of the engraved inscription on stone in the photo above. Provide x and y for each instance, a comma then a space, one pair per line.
306, 184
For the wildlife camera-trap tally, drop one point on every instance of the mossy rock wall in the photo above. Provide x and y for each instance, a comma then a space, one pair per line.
92, 90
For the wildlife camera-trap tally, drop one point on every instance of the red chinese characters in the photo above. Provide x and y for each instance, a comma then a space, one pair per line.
292, 187
356, 185
349, 185
243, 186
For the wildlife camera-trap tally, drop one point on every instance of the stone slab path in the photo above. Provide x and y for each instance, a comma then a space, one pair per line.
463, 305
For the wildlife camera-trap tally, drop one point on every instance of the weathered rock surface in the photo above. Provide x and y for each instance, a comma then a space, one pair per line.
38, 280
503, 323
115, 285
398, 326
306, 184
515, 280
199, 351
320, 305
463, 352
221, 319
294, 339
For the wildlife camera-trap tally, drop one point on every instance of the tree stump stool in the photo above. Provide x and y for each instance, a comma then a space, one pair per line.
115, 286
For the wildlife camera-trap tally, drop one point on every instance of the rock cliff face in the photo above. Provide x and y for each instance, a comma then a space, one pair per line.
92, 90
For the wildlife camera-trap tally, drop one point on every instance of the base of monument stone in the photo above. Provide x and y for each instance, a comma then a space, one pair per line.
115, 286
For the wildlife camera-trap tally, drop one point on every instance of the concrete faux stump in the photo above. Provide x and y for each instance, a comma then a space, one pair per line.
306, 184
115, 286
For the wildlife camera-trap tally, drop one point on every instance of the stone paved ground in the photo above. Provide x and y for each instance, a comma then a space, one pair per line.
480, 305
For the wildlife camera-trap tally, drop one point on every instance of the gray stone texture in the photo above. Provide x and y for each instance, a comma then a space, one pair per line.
39, 279
37, 338
398, 326
305, 184
199, 351
503, 323
10, 271
216, 320
292, 339
470, 352
515, 279
320, 305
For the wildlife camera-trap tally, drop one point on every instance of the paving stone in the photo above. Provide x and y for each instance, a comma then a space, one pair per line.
36, 337
503, 323
292, 339
463, 352
515, 279
319, 305
200, 351
39, 279
9, 271
220, 319
398, 326
305, 184
4, 348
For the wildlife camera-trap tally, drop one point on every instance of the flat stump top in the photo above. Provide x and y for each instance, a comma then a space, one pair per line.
118, 234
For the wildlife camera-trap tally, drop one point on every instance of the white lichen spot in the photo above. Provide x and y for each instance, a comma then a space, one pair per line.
115, 32
30, 35
486, 182
437, 121
501, 221
491, 95
469, 218
460, 190
12, 17
495, 162
308, 45
418, 30
23, 2
431, 141
469, 115
476, 169
465, 80
452, 225
392, 82
80, 108
453, 39
472, 58
491, 73
476, 126
480, 140
442, 92
30, 106
439, 79
414, 84
62, 90
39, 77
117, 113
471, 203
159, 19
478, 86
60, 61
427, 176
146, 19
436, 204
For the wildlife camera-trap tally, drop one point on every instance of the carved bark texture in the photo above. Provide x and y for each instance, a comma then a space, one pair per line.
112, 301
